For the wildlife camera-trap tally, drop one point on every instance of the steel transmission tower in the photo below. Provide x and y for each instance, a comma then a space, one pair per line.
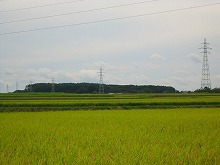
205, 81
101, 86
53, 86
16, 86
30, 87
7, 88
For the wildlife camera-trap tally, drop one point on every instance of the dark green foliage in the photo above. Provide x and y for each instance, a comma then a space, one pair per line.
138, 89
83, 88
216, 90
208, 90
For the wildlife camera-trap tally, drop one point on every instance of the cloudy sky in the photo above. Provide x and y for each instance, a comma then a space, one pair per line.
136, 42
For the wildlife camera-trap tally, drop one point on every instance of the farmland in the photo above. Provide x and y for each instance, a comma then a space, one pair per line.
60, 101
118, 129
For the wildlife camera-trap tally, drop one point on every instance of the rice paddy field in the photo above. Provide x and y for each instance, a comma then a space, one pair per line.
109, 129
29, 102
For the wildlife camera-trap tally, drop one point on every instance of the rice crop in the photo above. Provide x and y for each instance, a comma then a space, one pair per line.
171, 136
60, 101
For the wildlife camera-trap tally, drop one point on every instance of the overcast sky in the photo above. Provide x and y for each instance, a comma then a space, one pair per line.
153, 49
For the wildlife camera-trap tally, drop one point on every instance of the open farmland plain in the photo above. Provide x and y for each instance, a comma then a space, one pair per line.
60, 101
136, 129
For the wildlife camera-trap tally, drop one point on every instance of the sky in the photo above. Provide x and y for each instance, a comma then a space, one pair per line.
136, 42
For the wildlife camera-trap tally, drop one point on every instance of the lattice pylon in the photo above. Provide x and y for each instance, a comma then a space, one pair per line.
205, 81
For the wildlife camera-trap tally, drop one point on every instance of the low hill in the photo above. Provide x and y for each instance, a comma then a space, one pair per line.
84, 88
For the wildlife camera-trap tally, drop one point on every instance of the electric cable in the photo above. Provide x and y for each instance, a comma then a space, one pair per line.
108, 20
40, 6
78, 12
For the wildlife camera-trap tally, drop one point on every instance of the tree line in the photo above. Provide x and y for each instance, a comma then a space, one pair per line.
92, 88
208, 90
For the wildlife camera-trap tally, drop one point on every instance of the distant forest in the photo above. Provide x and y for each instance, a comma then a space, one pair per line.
92, 88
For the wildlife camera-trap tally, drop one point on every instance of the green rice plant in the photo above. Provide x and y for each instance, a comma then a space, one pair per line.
60, 101
177, 136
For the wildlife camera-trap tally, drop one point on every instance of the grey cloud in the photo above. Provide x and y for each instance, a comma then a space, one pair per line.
74, 54
156, 57
196, 58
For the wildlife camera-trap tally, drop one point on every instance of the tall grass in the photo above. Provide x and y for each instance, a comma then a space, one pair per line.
178, 136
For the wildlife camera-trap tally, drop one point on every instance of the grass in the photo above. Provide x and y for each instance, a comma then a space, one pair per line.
61, 101
172, 136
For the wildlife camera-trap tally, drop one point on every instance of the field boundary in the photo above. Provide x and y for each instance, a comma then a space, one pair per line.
102, 106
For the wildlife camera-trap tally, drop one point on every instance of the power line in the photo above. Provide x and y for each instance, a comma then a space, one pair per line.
40, 6
77, 12
107, 20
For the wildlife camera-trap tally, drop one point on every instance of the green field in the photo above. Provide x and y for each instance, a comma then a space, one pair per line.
60, 101
177, 136
130, 129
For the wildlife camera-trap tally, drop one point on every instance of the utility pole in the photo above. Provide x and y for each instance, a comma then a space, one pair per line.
101, 86
205, 81
30, 87
53, 86
16, 86
7, 88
